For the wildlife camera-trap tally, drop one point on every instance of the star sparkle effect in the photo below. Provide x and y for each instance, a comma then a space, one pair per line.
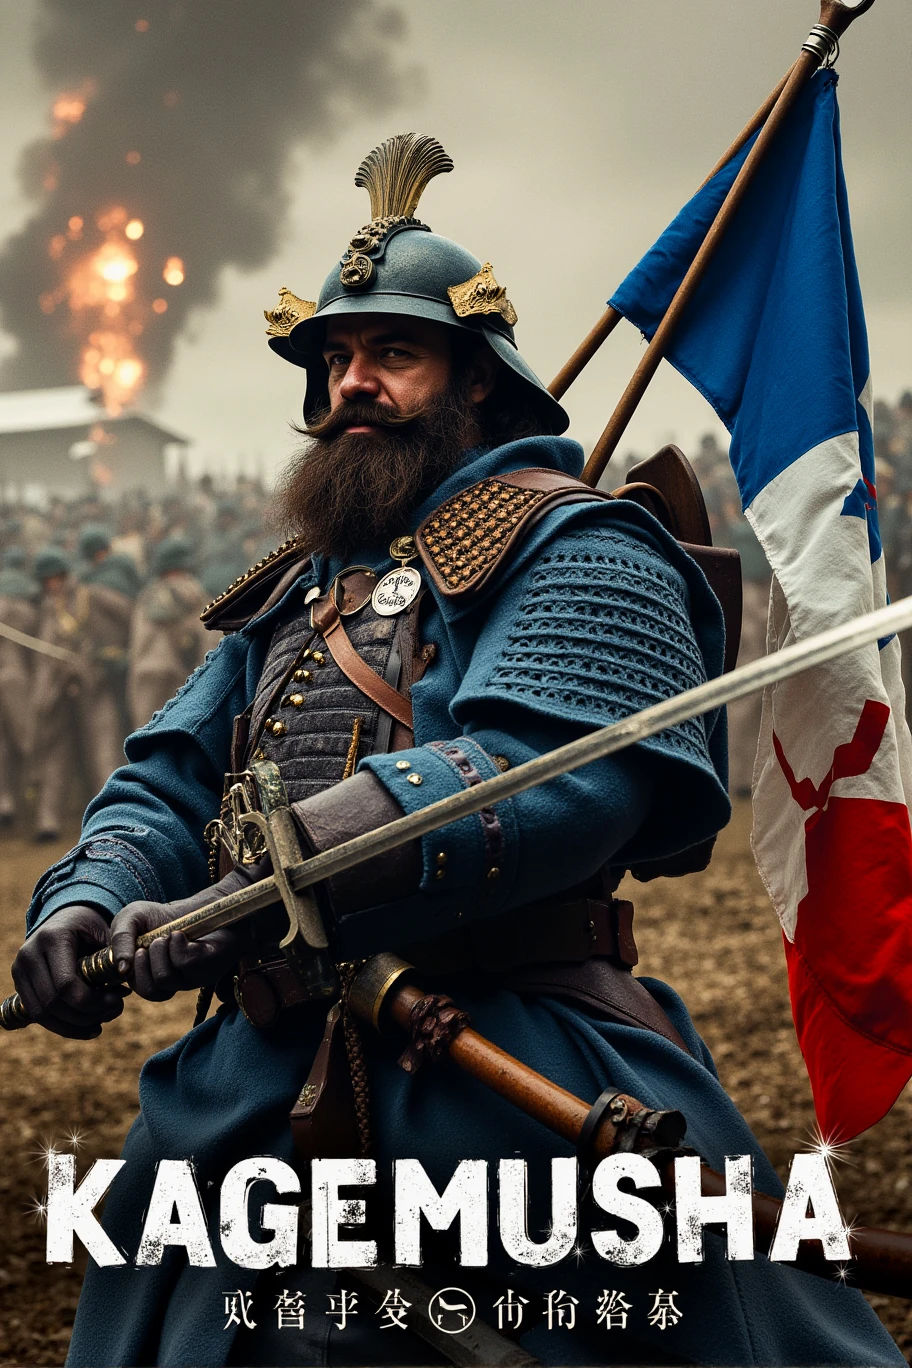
44, 1153
37, 1209
832, 1151
835, 1152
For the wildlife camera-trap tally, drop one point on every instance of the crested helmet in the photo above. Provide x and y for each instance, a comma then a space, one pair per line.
396, 265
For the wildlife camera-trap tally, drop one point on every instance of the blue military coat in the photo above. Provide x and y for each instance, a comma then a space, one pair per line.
598, 614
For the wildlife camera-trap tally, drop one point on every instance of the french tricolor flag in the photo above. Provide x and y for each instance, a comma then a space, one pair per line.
775, 339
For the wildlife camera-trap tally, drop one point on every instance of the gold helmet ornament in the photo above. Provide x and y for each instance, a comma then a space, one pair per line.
396, 265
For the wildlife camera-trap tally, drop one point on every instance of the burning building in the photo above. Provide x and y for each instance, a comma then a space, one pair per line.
64, 441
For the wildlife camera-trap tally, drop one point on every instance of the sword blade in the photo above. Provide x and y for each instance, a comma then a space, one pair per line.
618, 736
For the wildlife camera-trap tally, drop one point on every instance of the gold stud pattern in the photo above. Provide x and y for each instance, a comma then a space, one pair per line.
242, 580
468, 532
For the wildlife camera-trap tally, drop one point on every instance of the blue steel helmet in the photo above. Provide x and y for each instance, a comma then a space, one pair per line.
51, 562
396, 265
94, 537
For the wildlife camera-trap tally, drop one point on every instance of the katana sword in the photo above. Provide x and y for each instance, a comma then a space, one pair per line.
99, 968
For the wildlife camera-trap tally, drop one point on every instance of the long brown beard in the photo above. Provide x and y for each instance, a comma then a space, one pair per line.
344, 491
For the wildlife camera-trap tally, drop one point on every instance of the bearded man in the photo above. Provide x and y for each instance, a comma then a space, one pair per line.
452, 602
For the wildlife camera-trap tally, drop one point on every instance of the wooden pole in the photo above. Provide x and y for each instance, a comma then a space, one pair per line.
610, 318
834, 16
385, 991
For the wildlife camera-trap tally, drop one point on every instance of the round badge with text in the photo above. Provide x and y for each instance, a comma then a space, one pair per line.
396, 591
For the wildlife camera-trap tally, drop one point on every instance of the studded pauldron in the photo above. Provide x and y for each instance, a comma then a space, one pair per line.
467, 534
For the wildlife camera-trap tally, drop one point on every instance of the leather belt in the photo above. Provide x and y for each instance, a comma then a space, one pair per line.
537, 934
545, 932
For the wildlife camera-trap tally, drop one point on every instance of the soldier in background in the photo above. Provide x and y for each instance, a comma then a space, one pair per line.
58, 689
167, 639
18, 608
78, 705
113, 582
100, 565
224, 557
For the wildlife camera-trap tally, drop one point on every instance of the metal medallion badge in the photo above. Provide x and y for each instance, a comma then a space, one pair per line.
398, 589
395, 591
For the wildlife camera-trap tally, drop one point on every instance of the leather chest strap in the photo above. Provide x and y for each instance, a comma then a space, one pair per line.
325, 618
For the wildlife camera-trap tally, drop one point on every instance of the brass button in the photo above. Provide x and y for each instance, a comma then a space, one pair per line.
279, 729
414, 779
268, 723
296, 700
403, 764
493, 872
319, 657
441, 873
501, 762
441, 857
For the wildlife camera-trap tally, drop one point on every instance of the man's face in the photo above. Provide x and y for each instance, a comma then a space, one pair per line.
402, 411
397, 362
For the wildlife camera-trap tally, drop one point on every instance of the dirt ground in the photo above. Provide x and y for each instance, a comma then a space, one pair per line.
712, 936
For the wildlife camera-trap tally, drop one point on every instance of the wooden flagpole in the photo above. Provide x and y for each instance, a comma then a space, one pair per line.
822, 43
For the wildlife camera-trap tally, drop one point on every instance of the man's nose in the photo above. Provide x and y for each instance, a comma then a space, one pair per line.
360, 379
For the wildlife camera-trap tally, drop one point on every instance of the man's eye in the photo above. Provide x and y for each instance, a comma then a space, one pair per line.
394, 353
336, 359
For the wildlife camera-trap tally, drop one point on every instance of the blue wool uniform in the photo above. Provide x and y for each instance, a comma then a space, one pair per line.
599, 613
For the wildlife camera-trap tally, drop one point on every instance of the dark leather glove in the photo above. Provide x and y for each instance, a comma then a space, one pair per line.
47, 978
173, 963
349, 809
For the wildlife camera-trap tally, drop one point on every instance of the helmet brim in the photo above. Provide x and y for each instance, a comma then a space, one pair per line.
303, 346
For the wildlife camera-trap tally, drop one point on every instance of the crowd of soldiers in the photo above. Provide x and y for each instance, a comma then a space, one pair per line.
109, 594
99, 626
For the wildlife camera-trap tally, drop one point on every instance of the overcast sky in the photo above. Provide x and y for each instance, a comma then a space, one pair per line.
577, 130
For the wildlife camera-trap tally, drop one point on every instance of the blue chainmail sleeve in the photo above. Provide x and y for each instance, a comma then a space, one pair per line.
608, 620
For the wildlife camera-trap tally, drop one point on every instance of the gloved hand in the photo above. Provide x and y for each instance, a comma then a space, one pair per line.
48, 981
173, 963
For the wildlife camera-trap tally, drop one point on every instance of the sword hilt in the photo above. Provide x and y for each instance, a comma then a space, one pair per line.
98, 970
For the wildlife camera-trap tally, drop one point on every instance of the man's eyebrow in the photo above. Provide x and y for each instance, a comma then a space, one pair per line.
378, 340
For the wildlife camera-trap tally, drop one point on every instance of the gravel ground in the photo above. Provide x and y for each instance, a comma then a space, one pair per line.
712, 936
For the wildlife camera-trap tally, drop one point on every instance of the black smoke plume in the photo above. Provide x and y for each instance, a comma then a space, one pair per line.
182, 116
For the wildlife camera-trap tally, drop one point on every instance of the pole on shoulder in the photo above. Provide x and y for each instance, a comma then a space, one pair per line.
610, 318
821, 46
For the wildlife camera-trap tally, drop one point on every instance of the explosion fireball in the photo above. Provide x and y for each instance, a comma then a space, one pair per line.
165, 161
109, 310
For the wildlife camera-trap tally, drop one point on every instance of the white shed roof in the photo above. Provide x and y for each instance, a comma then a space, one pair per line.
71, 406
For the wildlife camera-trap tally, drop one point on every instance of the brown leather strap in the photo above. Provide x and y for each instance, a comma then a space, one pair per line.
565, 931
325, 617
602, 986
